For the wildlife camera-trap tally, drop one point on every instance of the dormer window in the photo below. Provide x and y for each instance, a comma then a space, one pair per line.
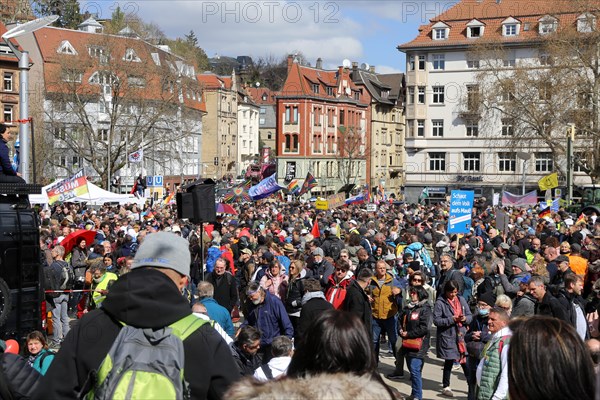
547, 25
586, 23
510, 27
315, 88
131, 56
66, 48
441, 31
264, 97
475, 29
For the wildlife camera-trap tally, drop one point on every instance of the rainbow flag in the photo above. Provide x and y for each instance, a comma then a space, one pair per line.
294, 186
309, 183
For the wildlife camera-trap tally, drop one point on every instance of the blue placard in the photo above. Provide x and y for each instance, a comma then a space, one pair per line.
461, 211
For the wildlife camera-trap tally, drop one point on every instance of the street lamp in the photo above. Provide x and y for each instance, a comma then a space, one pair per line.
24, 66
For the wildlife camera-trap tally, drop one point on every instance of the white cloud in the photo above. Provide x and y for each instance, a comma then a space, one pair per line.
385, 69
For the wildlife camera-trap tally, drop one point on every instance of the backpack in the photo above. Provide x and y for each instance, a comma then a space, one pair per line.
422, 256
145, 364
335, 250
67, 276
468, 287
495, 284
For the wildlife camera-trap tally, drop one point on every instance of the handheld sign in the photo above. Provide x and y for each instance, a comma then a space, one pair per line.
461, 211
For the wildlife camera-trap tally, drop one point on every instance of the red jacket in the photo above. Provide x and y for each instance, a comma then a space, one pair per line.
227, 254
336, 292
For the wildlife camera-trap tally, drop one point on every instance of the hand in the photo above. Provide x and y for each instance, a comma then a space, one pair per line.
476, 335
395, 291
462, 318
403, 334
501, 268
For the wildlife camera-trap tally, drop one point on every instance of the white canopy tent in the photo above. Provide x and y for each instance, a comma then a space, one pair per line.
96, 196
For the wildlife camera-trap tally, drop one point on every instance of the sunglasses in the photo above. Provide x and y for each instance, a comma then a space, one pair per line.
417, 280
341, 269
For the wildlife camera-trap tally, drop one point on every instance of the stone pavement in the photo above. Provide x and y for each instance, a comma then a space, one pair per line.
432, 377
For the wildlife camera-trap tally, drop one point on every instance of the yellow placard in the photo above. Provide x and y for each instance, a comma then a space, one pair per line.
336, 200
321, 205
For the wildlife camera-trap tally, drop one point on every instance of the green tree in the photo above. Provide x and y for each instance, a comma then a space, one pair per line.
67, 10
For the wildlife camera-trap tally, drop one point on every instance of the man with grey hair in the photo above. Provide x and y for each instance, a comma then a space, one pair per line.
148, 297
215, 311
282, 349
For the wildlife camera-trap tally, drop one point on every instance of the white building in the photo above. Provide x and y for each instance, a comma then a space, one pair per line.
448, 144
248, 132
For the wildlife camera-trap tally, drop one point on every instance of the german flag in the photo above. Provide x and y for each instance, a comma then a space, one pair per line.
581, 220
545, 212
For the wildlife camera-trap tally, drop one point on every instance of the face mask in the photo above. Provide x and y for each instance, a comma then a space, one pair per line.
97, 280
484, 312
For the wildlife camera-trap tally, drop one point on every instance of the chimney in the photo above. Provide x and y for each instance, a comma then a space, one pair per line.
372, 69
290, 61
319, 64
354, 65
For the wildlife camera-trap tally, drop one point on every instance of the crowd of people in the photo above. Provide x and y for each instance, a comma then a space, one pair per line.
324, 294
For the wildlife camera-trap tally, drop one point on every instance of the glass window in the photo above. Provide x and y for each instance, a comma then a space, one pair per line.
439, 34
543, 162
471, 162
510, 29
8, 81
507, 162
8, 113
437, 127
507, 127
472, 128
421, 127
437, 161
438, 95
422, 62
411, 63
439, 61
411, 95
421, 95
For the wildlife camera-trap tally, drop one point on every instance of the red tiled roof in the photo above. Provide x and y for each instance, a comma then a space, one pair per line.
49, 39
257, 95
492, 14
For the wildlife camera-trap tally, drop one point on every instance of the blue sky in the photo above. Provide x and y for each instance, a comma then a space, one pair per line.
363, 31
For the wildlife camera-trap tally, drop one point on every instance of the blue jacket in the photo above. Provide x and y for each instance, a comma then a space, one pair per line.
270, 318
218, 313
5, 165
42, 361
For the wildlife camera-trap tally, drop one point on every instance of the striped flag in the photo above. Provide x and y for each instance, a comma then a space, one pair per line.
581, 220
545, 212
309, 183
294, 186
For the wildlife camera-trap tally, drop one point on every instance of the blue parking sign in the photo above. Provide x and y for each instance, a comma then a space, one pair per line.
149, 181
158, 180
461, 211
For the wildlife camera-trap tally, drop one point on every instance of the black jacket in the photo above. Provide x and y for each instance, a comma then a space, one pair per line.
310, 310
417, 322
144, 298
20, 378
568, 301
357, 302
293, 298
246, 365
551, 307
226, 293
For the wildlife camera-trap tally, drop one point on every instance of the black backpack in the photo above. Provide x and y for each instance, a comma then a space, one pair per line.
67, 277
335, 250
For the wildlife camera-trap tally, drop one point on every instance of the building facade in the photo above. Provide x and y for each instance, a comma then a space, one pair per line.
248, 132
220, 127
9, 91
105, 97
386, 96
451, 142
322, 128
267, 121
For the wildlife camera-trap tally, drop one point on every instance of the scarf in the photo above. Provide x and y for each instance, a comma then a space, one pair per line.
312, 295
460, 334
412, 305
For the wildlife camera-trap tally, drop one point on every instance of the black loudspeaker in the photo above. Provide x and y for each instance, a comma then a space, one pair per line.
198, 203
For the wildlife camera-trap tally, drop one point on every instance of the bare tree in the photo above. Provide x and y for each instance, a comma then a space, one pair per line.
123, 96
352, 154
534, 100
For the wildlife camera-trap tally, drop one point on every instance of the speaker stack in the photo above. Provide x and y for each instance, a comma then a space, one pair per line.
197, 203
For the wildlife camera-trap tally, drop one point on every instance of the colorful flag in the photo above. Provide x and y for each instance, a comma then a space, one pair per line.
359, 198
528, 199
581, 220
315, 229
549, 181
136, 156
238, 193
168, 199
68, 189
294, 186
545, 212
309, 183
264, 188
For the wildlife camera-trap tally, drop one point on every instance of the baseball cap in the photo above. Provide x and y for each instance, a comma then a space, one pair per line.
352, 222
164, 250
525, 279
504, 246
247, 251
318, 252
267, 256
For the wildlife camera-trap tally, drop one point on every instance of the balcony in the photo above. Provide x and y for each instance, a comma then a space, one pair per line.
415, 144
